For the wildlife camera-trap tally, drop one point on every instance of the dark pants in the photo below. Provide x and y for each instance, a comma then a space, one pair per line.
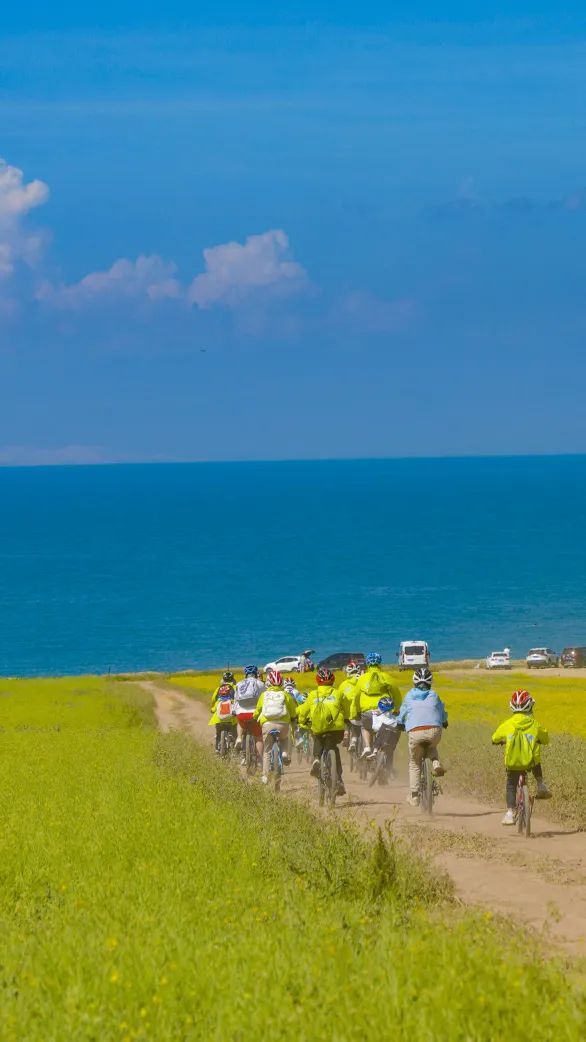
513, 780
329, 740
387, 738
230, 728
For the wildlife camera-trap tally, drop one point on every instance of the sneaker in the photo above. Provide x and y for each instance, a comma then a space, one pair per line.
367, 751
413, 799
509, 818
264, 779
238, 744
243, 762
372, 755
341, 790
299, 743
543, 792
286, 759
438, 770
315, 769
353, 744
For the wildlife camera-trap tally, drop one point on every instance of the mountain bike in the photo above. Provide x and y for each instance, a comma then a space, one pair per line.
355, 751
328, 780
524, 806
382, 765
227, 741
303, 746
249, 751
429, 787
276, 758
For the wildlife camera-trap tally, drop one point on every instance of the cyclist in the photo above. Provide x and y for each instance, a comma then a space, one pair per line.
275, 711
299, 697
385, 728
374, 684
223, 717
346, 688
227, 678
522, 737
325, 713
246, 696
422, 715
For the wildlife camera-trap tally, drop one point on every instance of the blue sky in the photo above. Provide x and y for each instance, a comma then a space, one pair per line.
256, 234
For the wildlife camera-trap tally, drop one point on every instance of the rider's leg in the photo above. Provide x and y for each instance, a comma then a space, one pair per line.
218, 733
239, 735
543, 793
318, 748
511, 797
354, 734
392, 742
416, 748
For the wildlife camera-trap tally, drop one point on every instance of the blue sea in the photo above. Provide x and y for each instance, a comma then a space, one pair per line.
172, 566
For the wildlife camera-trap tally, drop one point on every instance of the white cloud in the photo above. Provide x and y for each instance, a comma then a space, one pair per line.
16, 199
148, 276
235, 270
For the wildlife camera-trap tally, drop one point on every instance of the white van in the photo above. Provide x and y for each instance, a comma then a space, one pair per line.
412, 654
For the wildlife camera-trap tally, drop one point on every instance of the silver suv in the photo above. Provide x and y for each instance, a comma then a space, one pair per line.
541, 658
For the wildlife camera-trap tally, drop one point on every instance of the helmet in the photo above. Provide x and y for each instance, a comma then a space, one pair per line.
225, 691
373, 659
288, 682
251, 671
324, 676
521, 702
386, 705
423, 677
228, 677
352, 669
274, 678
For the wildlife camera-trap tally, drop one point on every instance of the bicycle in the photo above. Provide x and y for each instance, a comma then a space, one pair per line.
355, 752
227, 740
524, 805
429, 787
303, 746
328, 780
249, 751
382, 766
276, 758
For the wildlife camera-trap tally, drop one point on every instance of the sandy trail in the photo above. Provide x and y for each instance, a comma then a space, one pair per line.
541, 881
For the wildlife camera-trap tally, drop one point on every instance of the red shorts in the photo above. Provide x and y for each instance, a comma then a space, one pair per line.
248, 723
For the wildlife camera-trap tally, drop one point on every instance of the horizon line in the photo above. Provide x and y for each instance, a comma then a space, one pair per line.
60, 465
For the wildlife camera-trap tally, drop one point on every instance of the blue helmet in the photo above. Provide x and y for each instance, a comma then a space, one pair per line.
386, 705
373, 658
251, 671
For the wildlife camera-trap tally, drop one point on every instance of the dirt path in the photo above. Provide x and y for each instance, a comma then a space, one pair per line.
542, 881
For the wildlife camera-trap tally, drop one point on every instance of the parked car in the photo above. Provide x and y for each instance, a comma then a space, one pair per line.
340, 659
573, 658
499, 660
412, 654
291, 663
541, 658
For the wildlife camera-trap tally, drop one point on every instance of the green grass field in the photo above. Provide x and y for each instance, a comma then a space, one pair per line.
148, 893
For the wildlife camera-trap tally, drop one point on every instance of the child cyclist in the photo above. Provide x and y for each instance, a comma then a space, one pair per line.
325, 712
223, 716
246, 696
346, 688
373, 685
422, 715
522, 737
275, 711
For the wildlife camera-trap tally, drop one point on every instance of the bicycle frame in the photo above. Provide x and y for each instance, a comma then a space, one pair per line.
276, 758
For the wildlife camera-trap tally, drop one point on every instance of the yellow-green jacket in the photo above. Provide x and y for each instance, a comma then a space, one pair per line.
325, 710
289, 712
347, 686
215, 719
522, 738
372, 686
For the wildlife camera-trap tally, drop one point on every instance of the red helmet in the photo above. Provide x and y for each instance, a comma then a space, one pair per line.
324, 676
274, 678
521, 702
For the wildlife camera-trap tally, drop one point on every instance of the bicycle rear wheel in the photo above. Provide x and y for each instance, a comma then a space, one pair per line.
223, 744
523, 810
426, 786
333, 777
249, 752
378, 767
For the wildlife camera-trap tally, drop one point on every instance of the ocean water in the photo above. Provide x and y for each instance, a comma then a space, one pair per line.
191, 565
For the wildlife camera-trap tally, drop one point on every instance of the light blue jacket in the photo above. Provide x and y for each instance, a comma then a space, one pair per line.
422, 708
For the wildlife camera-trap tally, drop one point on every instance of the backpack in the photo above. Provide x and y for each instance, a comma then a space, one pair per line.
323, 713
224, 708
274, 706
373, 684
520, 751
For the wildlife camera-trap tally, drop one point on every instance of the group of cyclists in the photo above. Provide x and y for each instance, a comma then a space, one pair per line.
366, 708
